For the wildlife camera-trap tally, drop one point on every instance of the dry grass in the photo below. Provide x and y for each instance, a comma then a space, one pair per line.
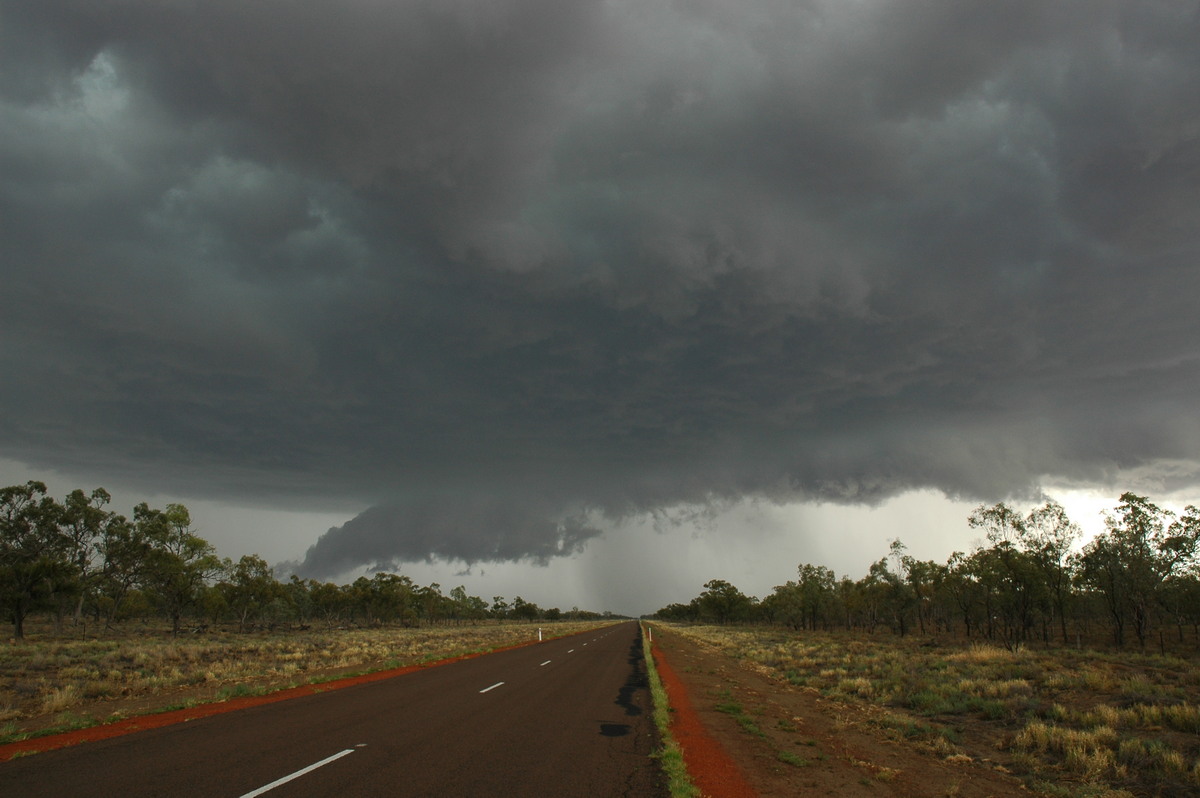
1072, 723
44, 679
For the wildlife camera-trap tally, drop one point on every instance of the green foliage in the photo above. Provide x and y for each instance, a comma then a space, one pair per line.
88, 564
35, 552
1024, 586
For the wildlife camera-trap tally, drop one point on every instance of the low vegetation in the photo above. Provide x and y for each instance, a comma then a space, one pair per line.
1071, 723
670, 755
52, 683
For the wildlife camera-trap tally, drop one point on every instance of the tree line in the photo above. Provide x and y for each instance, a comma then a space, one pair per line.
1031, 581
82, 562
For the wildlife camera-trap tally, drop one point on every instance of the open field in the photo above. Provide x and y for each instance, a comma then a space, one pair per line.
58, 683
1069, 723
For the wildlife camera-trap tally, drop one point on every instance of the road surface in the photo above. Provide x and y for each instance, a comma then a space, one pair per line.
567, 717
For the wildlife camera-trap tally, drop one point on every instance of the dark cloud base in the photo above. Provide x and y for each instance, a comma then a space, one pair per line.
488, 267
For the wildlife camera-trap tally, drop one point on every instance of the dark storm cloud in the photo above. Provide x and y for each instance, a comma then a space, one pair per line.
470, 528
457, 258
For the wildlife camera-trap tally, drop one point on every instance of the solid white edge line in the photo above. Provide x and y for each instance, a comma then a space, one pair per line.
493, 687
298, 773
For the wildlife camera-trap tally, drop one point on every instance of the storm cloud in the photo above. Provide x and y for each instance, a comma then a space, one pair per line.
494, 269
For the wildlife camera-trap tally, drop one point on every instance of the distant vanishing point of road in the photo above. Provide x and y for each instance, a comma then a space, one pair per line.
568, 717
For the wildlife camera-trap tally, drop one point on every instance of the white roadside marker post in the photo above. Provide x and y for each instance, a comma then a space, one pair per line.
539, 634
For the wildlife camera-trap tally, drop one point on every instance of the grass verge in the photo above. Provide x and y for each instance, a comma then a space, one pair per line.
671, 756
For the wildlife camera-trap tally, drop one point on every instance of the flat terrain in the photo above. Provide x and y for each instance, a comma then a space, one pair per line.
800, 713
51, 682
791, 742
566, 717
815, 714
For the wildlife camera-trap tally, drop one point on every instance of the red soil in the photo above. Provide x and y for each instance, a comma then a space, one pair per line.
712, 770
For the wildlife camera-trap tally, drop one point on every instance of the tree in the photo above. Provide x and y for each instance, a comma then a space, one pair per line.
888, 593
384, 597
249, 588
1050, 535
330, 601
723, 602
178, 562
431, 599
815, 592
34, 551
299, 595
84, 523
1138, 552
783, 606
123, 550
525, 610
962, 585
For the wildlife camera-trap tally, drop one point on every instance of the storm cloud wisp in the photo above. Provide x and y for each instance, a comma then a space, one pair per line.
468, 529
491, 267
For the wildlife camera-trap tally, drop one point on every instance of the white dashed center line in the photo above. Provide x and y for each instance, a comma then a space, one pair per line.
298, 773
493, 687
544, 664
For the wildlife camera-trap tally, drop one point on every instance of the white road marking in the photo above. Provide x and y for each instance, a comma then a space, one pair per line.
572, 651
298, 773
493, 687
544, 664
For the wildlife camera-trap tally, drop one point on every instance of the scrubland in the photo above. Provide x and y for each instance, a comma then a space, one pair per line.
1070, 723
52, 683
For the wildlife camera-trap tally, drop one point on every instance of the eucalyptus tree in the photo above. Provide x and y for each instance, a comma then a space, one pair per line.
34, 551
783, 606
123, 549
249, 588
887, 593
525, 610
178, 563
1142, 547
384, 597
962, 585
723, 602
463, 606
1050, 536
331, 601
430, 600
86, 523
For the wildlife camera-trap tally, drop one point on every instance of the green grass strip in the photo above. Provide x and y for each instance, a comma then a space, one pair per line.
671, 756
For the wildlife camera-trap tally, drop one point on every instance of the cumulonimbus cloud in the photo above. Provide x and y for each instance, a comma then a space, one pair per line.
602, 257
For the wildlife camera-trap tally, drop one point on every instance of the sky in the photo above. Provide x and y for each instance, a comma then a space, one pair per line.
593, 302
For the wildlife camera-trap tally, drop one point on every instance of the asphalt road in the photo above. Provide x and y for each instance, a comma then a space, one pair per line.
567, 717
